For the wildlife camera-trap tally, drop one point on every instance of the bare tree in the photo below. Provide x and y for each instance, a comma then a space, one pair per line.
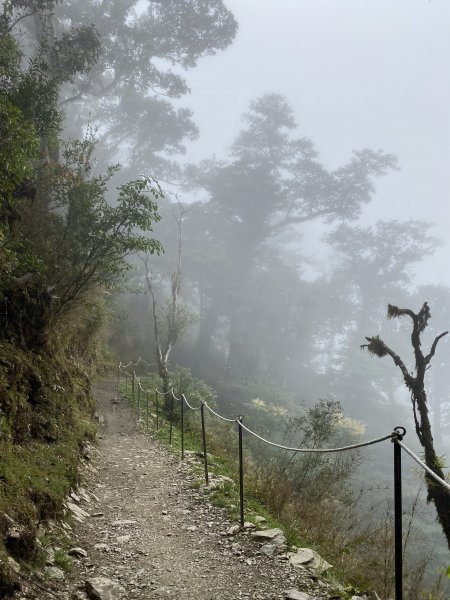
415, 382
171, 318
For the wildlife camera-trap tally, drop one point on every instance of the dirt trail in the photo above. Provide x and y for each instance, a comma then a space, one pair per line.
150, 531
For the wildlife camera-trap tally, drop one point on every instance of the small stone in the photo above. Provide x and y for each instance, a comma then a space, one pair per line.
78, 513
102, 547
269, 549
79, 595
84, 495
86, 452
320, 565
233, 529
55, 573
271, 536
77, 552
14, 534
50, 557
372, 595
303, 556
13, 564
268, 534
74, 497
294, 594
8, 520
102, 588
259, 519
123, 539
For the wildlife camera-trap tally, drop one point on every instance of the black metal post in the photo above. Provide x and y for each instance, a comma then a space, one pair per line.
241, 471
400, 431
182, 426
126, 382
171, 418
146, 412
132, 387
205, 456
157, 410
138, 403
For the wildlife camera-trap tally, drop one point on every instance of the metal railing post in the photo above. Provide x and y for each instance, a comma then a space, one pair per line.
182, 426
126, 381
205, 456
132, 387
171, 418
138, 403
241, 471
146, 411
400, 431
157, 410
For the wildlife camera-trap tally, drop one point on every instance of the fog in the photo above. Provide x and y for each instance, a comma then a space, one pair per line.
357, 74
304, 168
281, 318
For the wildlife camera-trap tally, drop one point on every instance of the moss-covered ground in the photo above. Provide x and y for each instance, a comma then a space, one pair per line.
46, 417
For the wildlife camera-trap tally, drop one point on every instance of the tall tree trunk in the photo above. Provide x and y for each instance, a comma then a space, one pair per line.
436, 493
439, 495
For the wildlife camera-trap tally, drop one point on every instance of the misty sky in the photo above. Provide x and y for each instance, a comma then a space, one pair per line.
358, 73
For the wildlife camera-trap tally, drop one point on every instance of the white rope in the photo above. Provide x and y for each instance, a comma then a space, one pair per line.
126, 373
183, 398
423, 465
135, 364
130, 363
142, 389
217, 414
140, 359
188, 405
162, 393
174, 397
322, 450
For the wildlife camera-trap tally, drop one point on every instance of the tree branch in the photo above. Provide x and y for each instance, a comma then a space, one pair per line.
379, 348
395, 311
429, 356
295, 220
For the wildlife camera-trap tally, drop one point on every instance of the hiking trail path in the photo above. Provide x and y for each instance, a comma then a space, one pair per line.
151, 535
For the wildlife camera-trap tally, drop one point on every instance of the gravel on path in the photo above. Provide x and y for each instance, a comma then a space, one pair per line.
152, 533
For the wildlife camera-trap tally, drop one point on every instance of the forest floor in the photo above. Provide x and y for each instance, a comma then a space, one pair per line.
151, 535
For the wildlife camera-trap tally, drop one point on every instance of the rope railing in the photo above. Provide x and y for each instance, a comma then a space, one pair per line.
219, 416
321, 450
431, 473
395, 436
125, 372
184, 399
135, 364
